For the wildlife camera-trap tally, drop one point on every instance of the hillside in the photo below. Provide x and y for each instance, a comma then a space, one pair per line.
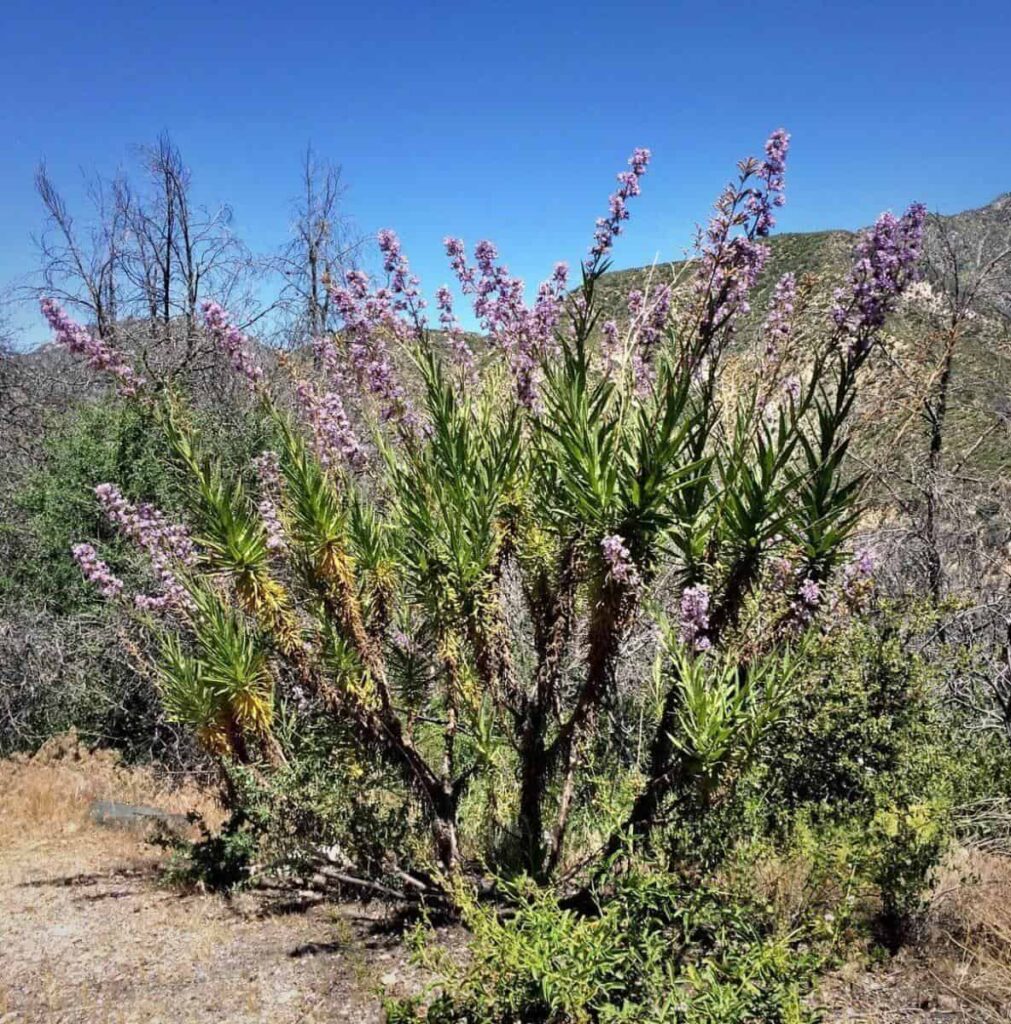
978, 235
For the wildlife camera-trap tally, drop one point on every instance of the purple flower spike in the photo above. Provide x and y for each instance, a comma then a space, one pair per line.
694, 609
268, 471
522, 334
369, 317
403, 285
234, 343
863, 563
859, 571
99, 355
885, 262
807, 601
457, 339
457, 253
96, 571
762, 201
731, 255
779, 319
167, 544
609, 227
334, 439
618, 559
649, 321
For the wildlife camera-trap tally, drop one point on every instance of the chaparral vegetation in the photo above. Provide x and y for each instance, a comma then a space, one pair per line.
656, 631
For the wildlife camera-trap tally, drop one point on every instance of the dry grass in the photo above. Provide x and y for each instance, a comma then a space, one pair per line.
48, 797
957, 968
970, 922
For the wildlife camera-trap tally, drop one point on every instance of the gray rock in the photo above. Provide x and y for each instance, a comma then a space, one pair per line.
116, 815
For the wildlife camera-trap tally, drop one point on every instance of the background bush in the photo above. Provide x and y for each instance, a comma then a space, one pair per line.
67, 657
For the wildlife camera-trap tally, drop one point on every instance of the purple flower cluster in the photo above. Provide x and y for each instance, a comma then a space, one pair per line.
167, 544
885, 259
862, 564
610, 347
609, 227
334, 439
858, 571
80, 342
808, 599
779, 319
267, 466
403, 285
809, 592
649, 321
770, 171
730, 258
233, 342
694, 609
656, 319
618, 559
523, 334
457, 341
369, 317
96, 571
456, 251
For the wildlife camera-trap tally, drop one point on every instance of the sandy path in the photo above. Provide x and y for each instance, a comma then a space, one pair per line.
88, 932
88, 935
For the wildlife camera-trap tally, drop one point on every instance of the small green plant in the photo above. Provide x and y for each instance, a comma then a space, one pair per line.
657, 950
906, 845
219, 861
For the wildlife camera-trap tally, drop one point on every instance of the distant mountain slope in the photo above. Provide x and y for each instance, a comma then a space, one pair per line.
823, 253
980, 234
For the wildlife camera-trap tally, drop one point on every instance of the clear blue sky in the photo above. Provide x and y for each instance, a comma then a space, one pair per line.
508, 121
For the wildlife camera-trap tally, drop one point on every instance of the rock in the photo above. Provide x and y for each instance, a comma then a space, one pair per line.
116, 815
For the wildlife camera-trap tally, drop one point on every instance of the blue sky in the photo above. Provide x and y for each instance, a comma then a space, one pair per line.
509, 121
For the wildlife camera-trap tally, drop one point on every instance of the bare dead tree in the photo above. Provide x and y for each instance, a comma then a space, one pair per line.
937, 417
964, 273
180, 252
146, 258
942, 463
324, 242
83, 267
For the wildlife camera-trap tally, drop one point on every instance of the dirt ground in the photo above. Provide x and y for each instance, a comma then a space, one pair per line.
90, 933
956, 968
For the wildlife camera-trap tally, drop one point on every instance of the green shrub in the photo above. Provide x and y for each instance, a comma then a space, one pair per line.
864, 710
659, 950
65, 657
55, 505
872, 762
906, 845
323, 807
219, 861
